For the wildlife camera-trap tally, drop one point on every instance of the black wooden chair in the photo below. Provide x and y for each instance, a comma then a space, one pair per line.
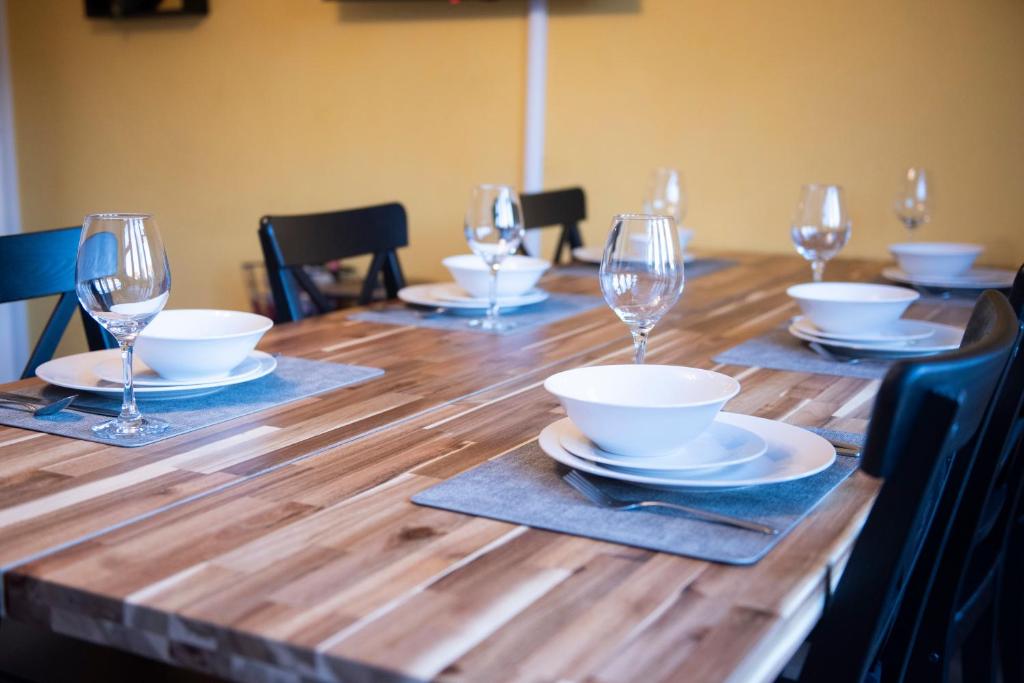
928, 418
292, 242
556, 208
38, 264
952, 634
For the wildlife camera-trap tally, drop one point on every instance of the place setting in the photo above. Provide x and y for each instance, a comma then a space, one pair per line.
645, 455
187, 368
493, 289
854, 329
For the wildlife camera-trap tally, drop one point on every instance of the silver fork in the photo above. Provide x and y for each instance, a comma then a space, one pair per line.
599, 497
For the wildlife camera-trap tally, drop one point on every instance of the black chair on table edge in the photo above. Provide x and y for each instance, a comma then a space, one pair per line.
291, 242
556, 208
38, 264
929, 418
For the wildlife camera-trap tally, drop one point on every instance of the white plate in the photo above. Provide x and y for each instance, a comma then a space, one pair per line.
595, 254
793, 453
902, 330
450, 295
144, 376
945, 338
976, 278
719, 445
78, 372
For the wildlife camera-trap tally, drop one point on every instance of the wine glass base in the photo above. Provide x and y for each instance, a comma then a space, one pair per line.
131, 429
491, 325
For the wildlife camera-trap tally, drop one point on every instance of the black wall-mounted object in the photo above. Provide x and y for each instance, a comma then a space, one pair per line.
130, 9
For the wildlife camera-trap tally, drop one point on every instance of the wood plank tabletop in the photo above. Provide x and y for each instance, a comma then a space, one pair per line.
283, 546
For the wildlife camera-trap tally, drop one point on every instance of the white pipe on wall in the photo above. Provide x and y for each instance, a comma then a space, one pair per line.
13, 326
536, 93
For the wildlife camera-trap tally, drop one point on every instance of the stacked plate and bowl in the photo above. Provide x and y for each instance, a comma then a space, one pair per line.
182, 352
945, 266
865, 320
469, 291
662, 426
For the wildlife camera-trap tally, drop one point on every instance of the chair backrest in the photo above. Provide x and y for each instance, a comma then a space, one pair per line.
38, 264
954, 628
927, 417
564, 208
291, 242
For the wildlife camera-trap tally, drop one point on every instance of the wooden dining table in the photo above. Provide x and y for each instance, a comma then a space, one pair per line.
283, 545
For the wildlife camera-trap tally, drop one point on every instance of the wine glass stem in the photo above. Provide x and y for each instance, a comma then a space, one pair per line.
492, 299
129, 411
818, 268
640, 335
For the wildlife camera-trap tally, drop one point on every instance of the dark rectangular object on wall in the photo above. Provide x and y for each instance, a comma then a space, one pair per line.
130, 9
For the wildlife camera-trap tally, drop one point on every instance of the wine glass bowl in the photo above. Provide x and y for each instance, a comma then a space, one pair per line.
914, 201
665, 195
123, 280
820, 227
494, 230
642, 273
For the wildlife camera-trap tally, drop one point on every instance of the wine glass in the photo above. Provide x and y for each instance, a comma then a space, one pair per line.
123, 279
665, 195
642, 273
821, 226
494, 230
914, 202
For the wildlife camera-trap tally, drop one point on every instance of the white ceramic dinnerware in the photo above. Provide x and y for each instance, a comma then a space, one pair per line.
851, 307
942, 338
719, 445
145, 376
450, 296
792, 453
935, 259
519, 275
902, 330
975, 278
197, 346
641, 410
81, 373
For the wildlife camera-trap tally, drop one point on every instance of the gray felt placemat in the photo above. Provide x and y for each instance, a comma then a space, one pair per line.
692, 270
779, 350
556, 307
293, 379
525, 487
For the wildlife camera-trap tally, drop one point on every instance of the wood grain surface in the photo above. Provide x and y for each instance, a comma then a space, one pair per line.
283, 546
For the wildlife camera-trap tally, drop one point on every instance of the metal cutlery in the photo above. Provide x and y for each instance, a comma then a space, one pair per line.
599, 497
35, 403
42, 409
829, 355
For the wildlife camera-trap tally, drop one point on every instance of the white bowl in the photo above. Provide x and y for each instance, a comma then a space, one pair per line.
935, 258
191, 345
847, 307
641, 410
518, 275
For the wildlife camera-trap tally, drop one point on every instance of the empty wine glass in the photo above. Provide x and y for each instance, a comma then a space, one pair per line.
642, 273
914, 202
665, 195
820, 226
494, 230
123, 279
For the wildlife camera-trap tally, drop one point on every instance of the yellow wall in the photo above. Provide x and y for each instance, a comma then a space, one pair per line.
302, 105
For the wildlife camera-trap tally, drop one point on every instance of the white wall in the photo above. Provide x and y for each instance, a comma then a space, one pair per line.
13, 339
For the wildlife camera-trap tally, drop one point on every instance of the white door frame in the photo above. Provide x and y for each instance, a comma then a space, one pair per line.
536, 95
13, 318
